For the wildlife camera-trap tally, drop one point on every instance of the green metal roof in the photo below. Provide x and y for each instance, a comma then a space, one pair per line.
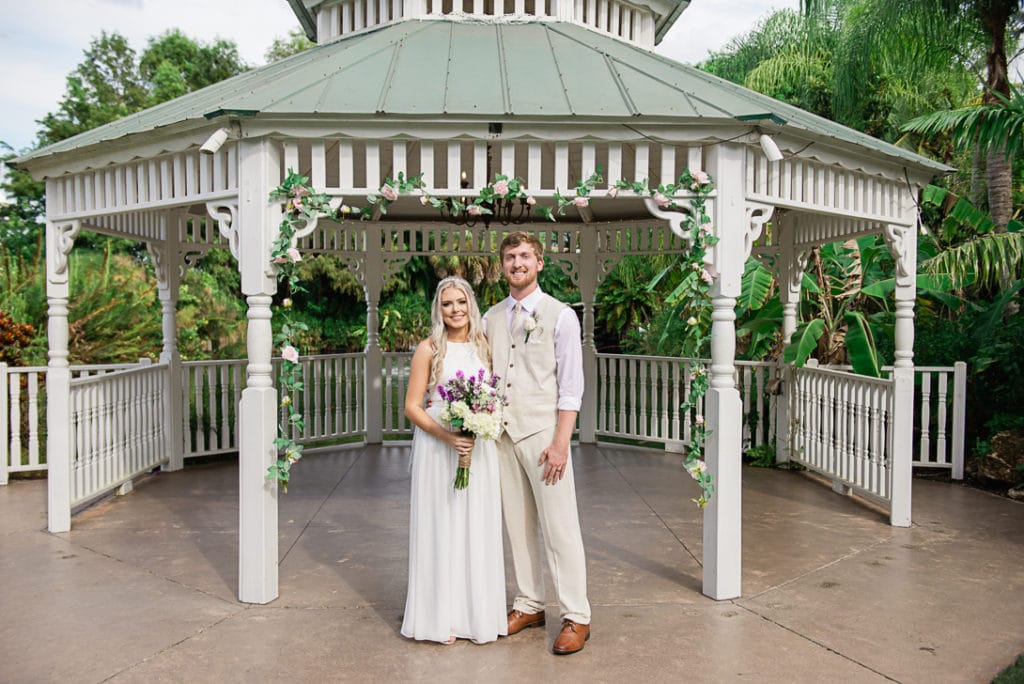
442, 68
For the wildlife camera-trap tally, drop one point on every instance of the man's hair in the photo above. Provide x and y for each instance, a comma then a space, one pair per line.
519, 237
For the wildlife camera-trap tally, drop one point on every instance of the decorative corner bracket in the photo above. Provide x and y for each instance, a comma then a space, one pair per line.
305, 230
757, 216
898, 239
675, 218
796, 272
159, 264
225, 214
64, 235
192, 257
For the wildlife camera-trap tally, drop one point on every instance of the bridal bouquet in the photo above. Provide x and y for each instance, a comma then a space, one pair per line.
472, 405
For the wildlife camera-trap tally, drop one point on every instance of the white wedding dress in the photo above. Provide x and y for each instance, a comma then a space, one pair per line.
456, 557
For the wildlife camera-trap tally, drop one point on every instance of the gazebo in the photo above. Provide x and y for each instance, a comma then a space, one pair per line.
547, 91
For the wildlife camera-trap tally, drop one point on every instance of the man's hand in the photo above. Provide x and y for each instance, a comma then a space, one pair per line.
555, 459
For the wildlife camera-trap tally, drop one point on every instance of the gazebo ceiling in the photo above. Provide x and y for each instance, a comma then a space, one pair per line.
496, 69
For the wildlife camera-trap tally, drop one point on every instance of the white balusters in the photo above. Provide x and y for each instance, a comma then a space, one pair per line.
118, 430
925, 417
642, 164
455, 165
614, 162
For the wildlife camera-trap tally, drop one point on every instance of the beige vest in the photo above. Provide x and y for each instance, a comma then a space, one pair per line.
527, 369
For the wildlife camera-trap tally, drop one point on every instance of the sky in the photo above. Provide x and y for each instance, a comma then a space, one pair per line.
42, 41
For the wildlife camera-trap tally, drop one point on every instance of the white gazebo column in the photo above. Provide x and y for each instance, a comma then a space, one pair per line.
588, 282
902, 242
258, 221
168, 279
722, 405
790, 270
60, 238
373, 283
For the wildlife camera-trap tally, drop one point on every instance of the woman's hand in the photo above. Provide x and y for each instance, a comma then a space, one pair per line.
462, 444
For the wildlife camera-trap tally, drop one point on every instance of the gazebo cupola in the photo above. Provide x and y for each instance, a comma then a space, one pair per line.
642, 23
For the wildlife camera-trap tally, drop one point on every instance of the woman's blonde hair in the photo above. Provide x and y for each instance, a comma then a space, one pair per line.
439, 333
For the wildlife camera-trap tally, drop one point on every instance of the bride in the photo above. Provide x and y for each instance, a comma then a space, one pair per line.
456, 562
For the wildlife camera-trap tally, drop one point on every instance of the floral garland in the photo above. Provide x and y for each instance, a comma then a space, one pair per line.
303, 206
694, 295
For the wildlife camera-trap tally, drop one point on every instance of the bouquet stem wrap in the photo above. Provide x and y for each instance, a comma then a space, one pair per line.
465, 460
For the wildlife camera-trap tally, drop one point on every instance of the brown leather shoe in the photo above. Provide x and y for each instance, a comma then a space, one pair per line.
571, 638
518, 621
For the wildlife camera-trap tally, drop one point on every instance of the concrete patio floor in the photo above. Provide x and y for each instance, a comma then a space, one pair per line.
143, 588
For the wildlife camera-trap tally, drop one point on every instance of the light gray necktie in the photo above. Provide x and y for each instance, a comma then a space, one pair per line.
517, 318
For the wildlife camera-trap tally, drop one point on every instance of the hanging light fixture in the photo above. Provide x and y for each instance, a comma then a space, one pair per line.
504, 211
465, 212
770, 148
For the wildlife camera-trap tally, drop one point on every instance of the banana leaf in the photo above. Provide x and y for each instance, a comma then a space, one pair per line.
927, 283
860, 345
809, 284
803, 343
754, 287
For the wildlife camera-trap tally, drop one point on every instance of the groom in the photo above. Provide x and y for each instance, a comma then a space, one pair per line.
536, 349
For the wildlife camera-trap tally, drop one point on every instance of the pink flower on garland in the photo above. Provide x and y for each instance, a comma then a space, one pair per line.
706, 276
661, 200
294, 254
389, 192
474, 210
700, 178
531, 200
581, 201
290, 354
613, 191
501, 188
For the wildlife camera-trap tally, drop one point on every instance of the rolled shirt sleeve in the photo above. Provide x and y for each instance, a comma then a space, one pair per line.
569, 359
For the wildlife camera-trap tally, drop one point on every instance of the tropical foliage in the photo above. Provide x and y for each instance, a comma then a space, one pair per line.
943, 87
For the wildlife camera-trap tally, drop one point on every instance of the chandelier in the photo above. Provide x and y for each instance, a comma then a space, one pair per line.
467, 212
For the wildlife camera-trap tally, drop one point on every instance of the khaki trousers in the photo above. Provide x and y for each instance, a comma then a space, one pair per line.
534, 510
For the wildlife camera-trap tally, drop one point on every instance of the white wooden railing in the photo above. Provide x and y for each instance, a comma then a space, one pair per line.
210, 392
939, 411
638, 399
23, 414
842, 428
331, 405
117, 428
395, 381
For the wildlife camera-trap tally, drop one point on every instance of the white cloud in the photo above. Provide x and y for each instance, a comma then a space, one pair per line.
708, 25
41, 42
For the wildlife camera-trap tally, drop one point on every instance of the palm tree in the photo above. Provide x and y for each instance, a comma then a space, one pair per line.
966, 32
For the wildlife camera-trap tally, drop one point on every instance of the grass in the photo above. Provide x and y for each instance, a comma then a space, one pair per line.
1014, 674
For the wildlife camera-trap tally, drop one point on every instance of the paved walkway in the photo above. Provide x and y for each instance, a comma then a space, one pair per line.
143, 588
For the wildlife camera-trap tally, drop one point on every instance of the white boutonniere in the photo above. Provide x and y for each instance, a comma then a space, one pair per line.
532, 324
